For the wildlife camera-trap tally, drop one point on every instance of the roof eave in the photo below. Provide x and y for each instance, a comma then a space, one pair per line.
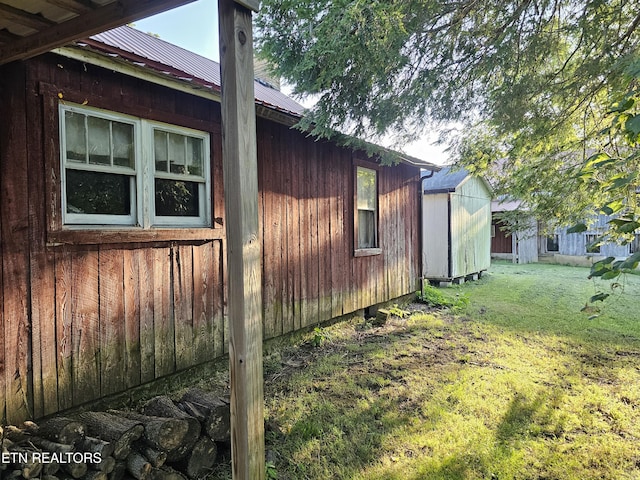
140, 70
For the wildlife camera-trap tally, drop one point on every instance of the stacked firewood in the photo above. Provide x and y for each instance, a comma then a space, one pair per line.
164, 440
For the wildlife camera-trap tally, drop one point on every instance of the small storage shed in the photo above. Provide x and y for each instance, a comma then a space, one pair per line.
456, 226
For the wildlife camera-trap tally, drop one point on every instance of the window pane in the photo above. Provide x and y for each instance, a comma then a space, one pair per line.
177, 198
160, 146
367, 229
122, 144
591, 239
98, 193
99, 141
194, 156
177, 163
75, 137
552, 243
367, 191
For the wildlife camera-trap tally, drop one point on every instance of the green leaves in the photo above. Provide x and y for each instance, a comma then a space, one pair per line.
391, 67
599, 297
578, 228
632, 126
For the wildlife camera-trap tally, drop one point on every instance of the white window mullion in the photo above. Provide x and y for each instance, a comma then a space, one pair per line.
93, 191
146, 172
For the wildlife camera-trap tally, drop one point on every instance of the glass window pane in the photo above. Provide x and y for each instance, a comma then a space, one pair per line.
194, 156
98, 193
367, 229
160, 146
123, 144
591, 240
75, 137
367, 190
177, 161
177, 198
99, 141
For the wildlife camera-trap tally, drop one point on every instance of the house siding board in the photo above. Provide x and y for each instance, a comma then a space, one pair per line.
106, 317
85, 328
112, 339
527, 244
576, 243
41, 261
14, 222
131, 317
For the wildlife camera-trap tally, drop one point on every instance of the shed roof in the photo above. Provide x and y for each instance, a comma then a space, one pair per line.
446, 180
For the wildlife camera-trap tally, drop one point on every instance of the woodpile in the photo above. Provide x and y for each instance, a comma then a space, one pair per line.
166, 440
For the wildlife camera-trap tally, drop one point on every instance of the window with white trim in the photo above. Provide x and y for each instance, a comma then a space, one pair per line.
367, 208
119, 170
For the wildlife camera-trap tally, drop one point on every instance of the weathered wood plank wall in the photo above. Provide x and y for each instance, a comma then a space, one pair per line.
310, 273
14, 191
84, 316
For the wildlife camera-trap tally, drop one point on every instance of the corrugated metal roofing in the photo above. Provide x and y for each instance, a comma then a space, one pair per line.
159, 55
446, 180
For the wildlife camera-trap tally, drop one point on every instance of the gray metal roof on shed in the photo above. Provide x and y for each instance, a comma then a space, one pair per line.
446, 180
164, 57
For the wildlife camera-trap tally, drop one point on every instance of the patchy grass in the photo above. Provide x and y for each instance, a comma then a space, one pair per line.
519, 384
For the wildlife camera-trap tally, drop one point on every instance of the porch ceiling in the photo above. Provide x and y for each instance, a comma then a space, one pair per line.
32, 27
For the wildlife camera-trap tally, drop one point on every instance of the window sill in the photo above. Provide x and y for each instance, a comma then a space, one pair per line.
125, 235
367, 252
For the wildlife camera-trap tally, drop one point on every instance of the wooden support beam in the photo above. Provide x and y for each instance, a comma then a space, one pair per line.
75, 6
103, 18
250, 4
243, 241
26, 19
6, 36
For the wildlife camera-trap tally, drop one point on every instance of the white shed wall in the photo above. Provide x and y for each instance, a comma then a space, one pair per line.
435, 236
471, 234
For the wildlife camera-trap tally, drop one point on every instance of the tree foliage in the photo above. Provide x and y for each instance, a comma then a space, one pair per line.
545, 91
391, 66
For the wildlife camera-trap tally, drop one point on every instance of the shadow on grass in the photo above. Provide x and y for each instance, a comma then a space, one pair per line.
347, 431
358, 408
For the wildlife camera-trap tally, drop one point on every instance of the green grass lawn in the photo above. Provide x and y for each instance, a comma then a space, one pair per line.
518, 384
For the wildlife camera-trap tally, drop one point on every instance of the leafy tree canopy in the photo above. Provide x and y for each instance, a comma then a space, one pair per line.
546, 91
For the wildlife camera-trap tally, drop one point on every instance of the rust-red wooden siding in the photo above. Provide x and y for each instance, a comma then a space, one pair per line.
501, 242
310, 273
89, 314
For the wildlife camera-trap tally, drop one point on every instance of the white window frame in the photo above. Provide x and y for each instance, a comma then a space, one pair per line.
359, 248
81, 219
204, 219
143, 176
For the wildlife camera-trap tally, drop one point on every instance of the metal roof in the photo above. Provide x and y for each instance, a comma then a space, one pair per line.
156, 54
446, 180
